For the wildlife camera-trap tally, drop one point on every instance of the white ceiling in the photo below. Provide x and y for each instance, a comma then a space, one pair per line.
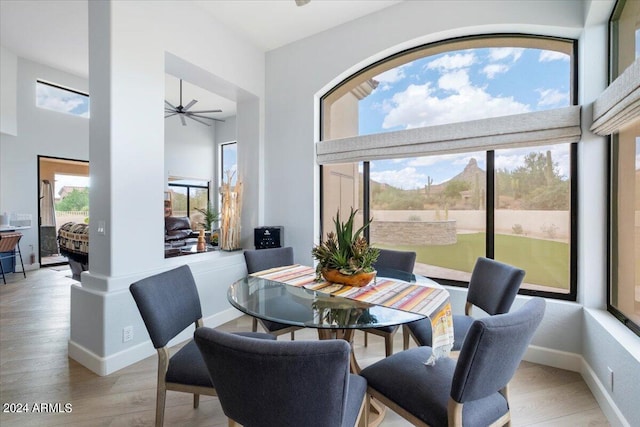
55, 32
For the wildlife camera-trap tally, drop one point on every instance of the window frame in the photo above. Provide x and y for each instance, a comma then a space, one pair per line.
66, 89
439, 47
189, 187
612, 168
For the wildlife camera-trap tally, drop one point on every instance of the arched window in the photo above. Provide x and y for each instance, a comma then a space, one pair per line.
461, 149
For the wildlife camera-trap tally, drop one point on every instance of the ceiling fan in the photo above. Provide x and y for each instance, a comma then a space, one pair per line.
182, 112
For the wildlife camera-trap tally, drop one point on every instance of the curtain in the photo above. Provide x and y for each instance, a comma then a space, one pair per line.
619, 104
556, 126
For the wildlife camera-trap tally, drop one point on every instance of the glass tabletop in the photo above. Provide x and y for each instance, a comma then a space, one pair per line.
297, 306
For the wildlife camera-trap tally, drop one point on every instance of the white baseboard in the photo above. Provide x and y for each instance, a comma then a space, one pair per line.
555, 358
107, 365
576, 363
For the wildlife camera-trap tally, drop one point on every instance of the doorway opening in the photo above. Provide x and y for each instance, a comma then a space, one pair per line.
63, 186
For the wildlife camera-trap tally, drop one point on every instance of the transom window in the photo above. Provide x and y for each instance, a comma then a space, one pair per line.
503, 195
63, 100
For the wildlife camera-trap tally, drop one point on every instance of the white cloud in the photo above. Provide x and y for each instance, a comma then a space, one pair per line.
59, 100
500, 53
508, 162
552, 97
552, 55
389, 77
433, 160
417, 106
408, 178
452, 62
492, 70
455, 80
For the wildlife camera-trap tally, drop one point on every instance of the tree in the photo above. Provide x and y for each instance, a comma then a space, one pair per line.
77, 200
454, 188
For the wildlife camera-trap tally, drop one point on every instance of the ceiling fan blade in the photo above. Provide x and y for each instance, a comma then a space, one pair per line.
206, 111
189, 105
169, 115
184, 122
169, 104
197, 120
204, 117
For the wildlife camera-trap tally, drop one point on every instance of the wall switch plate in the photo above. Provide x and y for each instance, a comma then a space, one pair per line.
610, 378
102, 228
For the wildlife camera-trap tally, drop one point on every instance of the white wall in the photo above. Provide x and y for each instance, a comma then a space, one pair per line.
39, 132
132, 45
323, 60
8, 81
189, 151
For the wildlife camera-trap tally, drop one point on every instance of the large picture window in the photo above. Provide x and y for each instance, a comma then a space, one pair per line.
434, 183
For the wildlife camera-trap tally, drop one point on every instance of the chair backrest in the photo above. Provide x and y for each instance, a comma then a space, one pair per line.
494, 285
263, 259
9, 241
492, 351
168, 303
396, 260
277, 383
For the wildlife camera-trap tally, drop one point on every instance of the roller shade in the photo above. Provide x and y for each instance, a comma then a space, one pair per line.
619, 104
529, 129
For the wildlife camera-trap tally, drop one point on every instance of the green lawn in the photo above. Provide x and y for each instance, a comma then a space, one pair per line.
546, 262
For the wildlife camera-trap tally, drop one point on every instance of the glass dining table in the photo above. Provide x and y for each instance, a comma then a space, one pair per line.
333, 316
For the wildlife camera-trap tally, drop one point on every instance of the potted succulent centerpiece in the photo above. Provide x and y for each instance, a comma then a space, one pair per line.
345, 256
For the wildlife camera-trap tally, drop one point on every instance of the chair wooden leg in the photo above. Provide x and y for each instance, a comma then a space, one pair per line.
405, 337
366, 339
161, 397
388, 345
363, 417
254, 325
196, 401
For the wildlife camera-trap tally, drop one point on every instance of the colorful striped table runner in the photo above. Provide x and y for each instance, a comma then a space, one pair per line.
430, 301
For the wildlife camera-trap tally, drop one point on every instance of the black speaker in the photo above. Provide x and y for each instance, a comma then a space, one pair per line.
268, 237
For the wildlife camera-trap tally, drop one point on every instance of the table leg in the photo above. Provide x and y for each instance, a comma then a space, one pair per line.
376, 409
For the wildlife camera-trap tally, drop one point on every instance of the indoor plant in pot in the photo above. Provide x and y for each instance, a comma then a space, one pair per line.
345, 256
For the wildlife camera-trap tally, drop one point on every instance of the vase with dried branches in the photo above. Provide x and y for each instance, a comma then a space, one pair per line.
230, 214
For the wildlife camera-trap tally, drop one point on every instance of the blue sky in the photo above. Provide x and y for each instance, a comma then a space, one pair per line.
463, 85
61, 100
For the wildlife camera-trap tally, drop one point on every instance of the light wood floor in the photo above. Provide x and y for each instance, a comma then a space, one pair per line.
34, 368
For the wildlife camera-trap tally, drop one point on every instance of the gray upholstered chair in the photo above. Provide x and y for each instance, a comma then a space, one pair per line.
403, 261
492, 288
283, 383
264, 259
168, 303
471, 392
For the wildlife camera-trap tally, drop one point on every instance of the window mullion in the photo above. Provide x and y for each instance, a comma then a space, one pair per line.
490, 205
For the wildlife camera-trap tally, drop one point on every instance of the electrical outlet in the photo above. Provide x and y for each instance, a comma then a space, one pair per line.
102, 228
610, 378
127, 333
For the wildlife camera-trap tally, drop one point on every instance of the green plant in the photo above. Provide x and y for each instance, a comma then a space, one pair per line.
345, 250
209, 216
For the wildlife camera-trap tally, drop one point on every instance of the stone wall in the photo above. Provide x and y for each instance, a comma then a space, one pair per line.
414, 232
